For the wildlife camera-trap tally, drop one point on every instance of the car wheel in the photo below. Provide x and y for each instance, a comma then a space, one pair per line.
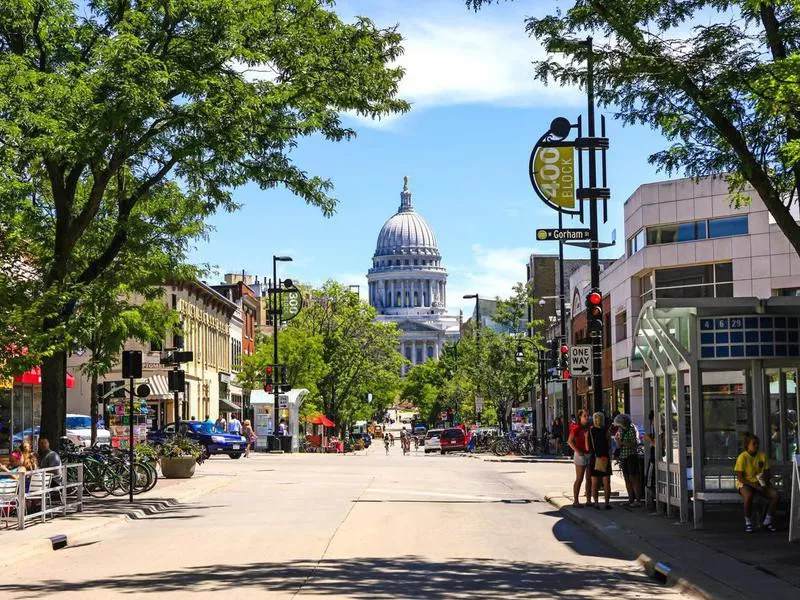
444, 451
206, 453
235, 455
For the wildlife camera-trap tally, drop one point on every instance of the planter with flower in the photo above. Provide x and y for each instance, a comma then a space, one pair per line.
178, 457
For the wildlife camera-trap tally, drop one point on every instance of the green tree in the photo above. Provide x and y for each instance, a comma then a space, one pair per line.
336, 350
108, 103
718, 78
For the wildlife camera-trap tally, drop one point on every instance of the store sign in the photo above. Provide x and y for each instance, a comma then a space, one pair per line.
737, 337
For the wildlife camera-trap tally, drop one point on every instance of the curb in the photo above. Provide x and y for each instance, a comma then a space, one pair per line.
629, 544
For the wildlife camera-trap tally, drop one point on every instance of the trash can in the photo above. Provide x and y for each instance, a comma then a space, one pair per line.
286, 443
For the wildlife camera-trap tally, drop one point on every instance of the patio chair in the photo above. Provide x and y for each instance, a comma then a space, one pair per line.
39, 490
9, 489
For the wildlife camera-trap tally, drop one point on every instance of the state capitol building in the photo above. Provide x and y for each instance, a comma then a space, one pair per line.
408, 284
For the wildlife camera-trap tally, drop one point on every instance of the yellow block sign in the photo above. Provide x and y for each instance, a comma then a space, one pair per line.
554, 174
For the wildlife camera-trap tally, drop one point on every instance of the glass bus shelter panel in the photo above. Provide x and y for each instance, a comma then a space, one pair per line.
727, 416
781, 388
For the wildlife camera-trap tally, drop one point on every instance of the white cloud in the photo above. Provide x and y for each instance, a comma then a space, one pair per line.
471, 59
493, 272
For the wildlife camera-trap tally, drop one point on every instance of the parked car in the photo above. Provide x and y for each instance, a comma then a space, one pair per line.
432, 441
79, 430
453, 438
209, 437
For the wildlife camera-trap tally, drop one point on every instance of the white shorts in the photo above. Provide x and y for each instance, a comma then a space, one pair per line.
581, 460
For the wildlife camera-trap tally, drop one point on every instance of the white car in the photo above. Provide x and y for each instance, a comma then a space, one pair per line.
433, 442
79, 430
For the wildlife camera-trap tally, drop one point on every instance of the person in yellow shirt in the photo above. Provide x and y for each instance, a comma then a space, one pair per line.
752, 478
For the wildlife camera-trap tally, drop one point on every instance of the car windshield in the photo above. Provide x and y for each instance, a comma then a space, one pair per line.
80, 422
206, 427
434, 433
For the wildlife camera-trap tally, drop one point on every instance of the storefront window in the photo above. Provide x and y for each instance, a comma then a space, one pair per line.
727, 416
5, 421
781, 389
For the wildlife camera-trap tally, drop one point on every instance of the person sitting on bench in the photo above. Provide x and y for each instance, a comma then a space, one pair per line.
752, 479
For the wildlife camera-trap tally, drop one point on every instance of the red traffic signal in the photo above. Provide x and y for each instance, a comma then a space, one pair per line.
594, 299
564, 349
565, 374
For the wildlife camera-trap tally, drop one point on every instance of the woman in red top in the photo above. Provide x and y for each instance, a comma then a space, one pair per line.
578, 441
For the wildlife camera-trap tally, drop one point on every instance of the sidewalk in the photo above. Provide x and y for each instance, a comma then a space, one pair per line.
169, 496
720, 561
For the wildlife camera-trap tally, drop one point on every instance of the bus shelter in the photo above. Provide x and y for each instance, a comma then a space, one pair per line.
714, 369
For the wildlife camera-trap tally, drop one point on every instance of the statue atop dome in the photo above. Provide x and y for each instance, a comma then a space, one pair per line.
405, 197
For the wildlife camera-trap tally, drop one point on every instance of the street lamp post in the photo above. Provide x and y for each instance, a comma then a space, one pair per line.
477, 333
276, 325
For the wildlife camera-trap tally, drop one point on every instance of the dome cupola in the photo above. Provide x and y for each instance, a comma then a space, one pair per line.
406, 232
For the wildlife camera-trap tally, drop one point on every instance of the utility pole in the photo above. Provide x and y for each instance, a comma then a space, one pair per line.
594, 249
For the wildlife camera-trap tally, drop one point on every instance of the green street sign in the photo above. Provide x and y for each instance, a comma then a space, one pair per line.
563, 234
291, 303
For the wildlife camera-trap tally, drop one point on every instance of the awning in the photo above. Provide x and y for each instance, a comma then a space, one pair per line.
34, 377
159, 387
320, 419
226, 405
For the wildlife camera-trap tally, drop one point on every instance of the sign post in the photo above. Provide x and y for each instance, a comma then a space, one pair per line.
580, 361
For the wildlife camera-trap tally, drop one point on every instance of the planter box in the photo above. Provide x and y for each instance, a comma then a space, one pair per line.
177, 467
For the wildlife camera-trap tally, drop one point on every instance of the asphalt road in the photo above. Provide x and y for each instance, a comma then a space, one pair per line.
355, 526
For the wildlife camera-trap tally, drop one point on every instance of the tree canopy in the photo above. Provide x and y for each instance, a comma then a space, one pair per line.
107, 105
720, 79
338, 351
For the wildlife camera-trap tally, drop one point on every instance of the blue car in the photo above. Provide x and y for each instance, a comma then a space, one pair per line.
209, 437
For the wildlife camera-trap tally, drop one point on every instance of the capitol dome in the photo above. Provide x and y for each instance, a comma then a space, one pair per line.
406, 232
408, 284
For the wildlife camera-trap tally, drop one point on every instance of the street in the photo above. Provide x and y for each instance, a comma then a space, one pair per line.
353, 526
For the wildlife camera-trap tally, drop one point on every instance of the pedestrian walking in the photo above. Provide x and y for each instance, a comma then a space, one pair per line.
250, 435
235, 426
386, 443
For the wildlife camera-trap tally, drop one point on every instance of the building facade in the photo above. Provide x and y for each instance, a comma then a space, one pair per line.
205, 315
408, 283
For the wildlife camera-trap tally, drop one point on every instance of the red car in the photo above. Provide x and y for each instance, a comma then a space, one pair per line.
453, 438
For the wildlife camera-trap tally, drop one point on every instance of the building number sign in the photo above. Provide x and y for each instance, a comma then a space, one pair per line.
750, 337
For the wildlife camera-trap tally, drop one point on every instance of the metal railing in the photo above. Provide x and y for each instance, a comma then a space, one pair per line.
42, 493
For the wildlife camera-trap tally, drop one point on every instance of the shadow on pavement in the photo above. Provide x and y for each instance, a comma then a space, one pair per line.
401, 577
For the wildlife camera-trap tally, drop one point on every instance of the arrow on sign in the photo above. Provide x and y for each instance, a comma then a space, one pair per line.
581, 370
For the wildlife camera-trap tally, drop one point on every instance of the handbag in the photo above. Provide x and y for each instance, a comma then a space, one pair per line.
600, 462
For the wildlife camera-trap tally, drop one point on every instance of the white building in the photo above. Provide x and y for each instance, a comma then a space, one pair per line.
408, 284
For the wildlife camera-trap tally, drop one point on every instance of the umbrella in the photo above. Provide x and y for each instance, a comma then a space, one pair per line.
321, 419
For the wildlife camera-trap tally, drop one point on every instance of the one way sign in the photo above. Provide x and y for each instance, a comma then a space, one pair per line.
580, 361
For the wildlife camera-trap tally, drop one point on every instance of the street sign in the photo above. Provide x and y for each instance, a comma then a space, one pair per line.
552, 172
563, 234
291, 303
478, 403
580, 360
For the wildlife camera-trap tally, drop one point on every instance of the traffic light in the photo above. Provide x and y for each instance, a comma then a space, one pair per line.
269, 380
594, 312
176, 380
564, 364
552, 358
284, 385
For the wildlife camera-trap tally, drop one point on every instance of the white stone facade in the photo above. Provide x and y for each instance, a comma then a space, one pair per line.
408, 284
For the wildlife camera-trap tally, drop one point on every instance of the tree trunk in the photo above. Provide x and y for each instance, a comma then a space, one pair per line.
54, 397
93, 407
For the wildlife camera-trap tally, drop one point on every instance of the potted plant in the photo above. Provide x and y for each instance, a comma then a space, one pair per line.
178, 457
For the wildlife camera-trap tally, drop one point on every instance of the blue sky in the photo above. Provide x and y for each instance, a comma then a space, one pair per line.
476, 113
